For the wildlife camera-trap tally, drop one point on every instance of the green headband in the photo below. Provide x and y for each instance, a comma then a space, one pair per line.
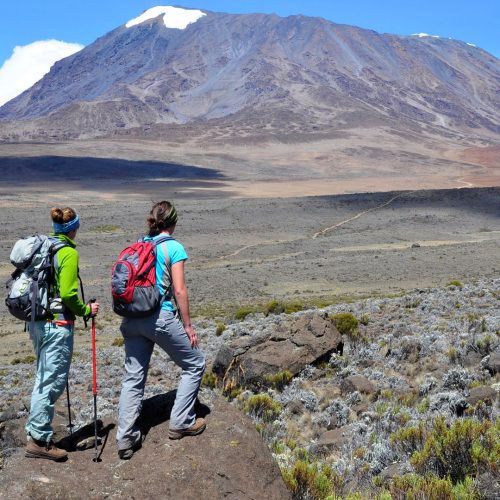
171, 218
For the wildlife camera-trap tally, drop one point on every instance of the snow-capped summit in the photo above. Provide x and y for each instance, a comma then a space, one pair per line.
422, 35
173, 17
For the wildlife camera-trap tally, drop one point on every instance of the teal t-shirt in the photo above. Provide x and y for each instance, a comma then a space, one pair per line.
176, 253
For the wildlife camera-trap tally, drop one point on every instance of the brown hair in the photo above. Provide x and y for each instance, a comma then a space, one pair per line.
162, 216
62, 215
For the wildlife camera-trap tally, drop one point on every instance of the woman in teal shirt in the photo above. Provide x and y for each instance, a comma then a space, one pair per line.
53, 340
170, 328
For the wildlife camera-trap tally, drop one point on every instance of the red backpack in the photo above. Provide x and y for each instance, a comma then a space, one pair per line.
133, 280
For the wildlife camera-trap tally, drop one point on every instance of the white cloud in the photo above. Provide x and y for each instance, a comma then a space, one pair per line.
174, 17
29, 63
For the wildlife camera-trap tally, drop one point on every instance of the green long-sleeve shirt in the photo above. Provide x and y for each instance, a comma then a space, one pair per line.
66, 277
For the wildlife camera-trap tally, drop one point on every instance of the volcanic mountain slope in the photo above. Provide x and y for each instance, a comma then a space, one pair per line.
259, 74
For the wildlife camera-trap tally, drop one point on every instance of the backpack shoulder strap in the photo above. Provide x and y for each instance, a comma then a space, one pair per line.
162, 239
57, 244
168, 295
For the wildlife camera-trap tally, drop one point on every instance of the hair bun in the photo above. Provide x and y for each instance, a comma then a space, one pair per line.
57, 215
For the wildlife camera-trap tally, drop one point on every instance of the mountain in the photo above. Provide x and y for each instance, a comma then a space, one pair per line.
260, 75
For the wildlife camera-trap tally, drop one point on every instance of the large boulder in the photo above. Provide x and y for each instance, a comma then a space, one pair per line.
492, 363
248, 360
229, 460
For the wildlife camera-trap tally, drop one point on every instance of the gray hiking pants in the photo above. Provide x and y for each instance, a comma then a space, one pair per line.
140, 336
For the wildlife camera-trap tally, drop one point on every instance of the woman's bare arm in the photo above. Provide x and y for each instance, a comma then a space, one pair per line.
182, 299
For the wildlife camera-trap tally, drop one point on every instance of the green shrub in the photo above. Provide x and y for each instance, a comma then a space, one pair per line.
242, 312
209, 379
278, 447
273, 307
278, 380
292, 307
106, 228
455, 451
235, 393
410, 439
30, 358
455, 283
424, 405
312, 480
452, 354
430, 487
365, 319
408, 398
262, 406
220, 327
485, 345
118, 341
346, 323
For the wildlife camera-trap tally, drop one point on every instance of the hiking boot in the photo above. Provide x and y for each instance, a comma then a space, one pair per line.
41, 449
127, 453
197, 428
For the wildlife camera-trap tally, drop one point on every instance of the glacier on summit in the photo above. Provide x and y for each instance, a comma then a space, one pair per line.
173, 17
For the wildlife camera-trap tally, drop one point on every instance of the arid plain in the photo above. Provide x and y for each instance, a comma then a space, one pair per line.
249, 250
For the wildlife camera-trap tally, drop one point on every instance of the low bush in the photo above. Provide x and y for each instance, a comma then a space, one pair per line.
365, 319
273, 307
459, 450
262, 406
209, 379
242, 312
454, 451
118, 342
346, 323
410, 439
430, 487
294, 306
278, 380
311, 480
455, 283
452, 354
106, 228
220, 327
30, 358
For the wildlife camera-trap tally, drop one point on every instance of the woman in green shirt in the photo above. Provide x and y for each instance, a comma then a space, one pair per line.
53, 339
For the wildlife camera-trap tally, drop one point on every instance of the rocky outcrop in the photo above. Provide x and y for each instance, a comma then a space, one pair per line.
250, 361
357, 383
229, 460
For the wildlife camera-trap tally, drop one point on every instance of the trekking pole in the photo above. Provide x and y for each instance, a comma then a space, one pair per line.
70, 425
94, 385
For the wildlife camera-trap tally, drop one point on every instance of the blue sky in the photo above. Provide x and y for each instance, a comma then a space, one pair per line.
71, 24
82, 21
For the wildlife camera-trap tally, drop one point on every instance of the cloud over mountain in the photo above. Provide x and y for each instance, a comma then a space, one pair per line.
29, 63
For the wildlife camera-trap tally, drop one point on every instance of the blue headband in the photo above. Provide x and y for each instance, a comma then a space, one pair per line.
67, 227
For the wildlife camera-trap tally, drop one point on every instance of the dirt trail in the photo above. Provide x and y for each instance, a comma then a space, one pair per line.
357, 216
315, 235
261, 243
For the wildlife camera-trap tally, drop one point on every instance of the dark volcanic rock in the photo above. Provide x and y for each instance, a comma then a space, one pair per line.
358, 383
333, 439
493, 363
481, 394
247, 361
228, 460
